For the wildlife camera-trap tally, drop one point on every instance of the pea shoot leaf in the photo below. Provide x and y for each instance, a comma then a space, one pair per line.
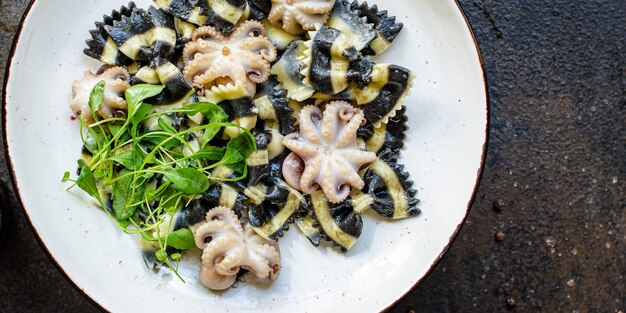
176, 256
181, 239
188, 180
158, 138
66, 177
86, 181
94, 140
100, 172
125, 159
114, 129
140, 115
135, 96
210, 153
212, 112
167, 127
126, 196
132, 159
240, 148
161, 255
95, 99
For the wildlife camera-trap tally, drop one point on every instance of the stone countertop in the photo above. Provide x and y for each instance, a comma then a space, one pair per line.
556, 163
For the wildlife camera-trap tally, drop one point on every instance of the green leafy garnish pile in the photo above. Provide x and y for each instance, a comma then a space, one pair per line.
141, 178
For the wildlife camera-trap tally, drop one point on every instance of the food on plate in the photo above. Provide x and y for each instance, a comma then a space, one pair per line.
215, 125
325, 153
298, 16
115, 84
213, 59
228, 246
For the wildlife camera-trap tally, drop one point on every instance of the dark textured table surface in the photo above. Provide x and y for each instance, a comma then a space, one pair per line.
557, 161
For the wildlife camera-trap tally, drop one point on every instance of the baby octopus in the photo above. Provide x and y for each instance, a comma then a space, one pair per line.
228, 246
298, 16
325, 152
212, 59
116, 83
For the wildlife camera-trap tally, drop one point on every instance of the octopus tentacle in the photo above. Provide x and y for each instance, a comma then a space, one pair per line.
197, 65
273, 257
258, 264
261, 46
344, 138
309, 20
222, 213
200, 46
214, 280
216, 251
349, 120
115, 73
357, 157
351, 177
232, 261
268, 250
248, 29
290, 24
315, 7
330, 123
220, 68
257, 71
310, 119
206, 232
306, 149
212, 257
340, 187
310, 176
208, 33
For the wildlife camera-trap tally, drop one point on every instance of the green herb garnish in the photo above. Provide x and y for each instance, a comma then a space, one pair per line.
142, 177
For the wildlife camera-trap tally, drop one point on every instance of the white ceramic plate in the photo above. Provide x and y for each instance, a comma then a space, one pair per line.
448, 115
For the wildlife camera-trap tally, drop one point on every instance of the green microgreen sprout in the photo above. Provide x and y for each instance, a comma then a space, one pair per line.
141, 176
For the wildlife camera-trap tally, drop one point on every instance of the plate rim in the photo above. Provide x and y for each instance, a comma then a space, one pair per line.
433, 265
480, 172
